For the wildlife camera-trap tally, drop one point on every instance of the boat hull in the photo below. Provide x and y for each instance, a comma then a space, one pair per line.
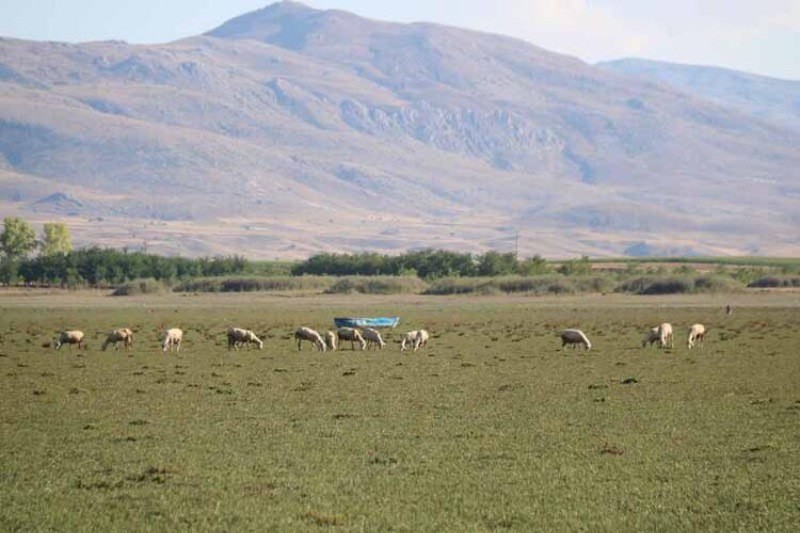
374, 322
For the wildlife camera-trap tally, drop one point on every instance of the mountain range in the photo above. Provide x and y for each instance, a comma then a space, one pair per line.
769, 99
291, 131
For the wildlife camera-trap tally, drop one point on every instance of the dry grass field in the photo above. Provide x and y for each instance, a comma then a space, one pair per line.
491, 427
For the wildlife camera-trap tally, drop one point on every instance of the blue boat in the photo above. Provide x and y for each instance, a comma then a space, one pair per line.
375, 322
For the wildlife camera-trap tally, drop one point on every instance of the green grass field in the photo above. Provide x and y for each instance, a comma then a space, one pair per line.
492, 427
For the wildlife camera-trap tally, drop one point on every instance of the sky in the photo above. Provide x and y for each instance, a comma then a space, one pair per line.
757, 36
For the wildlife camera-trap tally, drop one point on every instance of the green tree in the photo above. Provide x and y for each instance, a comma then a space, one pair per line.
18, 238
497, 264
578, 267
9, 268
56, 239
533, 266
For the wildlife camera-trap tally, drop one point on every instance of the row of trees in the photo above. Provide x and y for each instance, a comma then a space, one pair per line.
57, 264
108, 267
432, 264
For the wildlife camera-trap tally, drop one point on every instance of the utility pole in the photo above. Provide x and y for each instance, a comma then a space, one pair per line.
516, 244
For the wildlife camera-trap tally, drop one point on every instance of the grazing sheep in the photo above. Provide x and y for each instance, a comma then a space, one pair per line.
416, 338
665, 335
238, 337
172, 339
422, 339
330, 340
123, 335
408, 338
69, 337
233, 335
308, 334
661, 334
651, 337
372, 337
697, 334
352, 335
575, 337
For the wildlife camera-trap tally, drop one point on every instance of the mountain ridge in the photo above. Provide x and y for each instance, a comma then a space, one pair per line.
368, 135
769, 98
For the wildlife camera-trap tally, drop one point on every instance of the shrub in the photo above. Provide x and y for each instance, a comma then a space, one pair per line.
670, 286
775, 282
593, 283
714, 283
394, 285
579, 267
452, 286
656, 285
342, 286
676, 284
532, 266
377, 285
747, 275
251, 284
140, 286
547, 284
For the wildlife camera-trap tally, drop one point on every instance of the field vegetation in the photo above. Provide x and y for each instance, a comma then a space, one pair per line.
420, 272
491, 428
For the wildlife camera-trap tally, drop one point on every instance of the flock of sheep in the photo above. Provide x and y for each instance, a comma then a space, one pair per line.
240, 337
172, 339
661, 334
366, 338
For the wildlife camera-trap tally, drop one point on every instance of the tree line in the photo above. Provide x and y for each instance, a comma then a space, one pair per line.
56, 263
98, 267
50, 260
434, 264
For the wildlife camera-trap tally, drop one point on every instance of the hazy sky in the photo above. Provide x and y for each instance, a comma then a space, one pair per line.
759, 36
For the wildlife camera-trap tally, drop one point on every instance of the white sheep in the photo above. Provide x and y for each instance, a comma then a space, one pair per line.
422, 339
661, 334
239, 337
416, 338
172, 339
69, 337
665, 335
372, 336
123, 335
697, 334
352, 335
308, 334
575, 337
408, 338
330, 340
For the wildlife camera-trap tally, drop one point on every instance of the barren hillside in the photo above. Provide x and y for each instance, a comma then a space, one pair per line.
289, 131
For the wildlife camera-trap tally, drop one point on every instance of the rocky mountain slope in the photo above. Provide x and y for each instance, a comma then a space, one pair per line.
290, 131
763, 97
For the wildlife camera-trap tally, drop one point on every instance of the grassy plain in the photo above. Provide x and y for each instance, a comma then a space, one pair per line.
492, 427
